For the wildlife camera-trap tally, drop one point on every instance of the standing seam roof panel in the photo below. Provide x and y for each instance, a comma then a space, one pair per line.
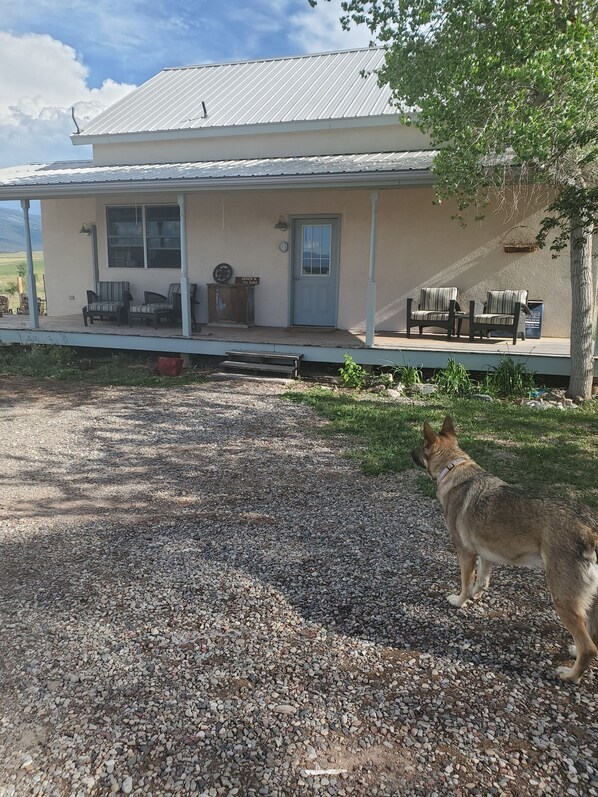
316, 87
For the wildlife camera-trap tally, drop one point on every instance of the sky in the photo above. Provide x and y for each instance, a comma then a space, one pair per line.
87, 54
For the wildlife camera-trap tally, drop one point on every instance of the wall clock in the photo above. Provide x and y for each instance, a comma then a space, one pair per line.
283, 246
222, 273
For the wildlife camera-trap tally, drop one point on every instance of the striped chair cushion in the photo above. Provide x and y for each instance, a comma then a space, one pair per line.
436, 298
488, 318
112, 291
429, 315
105, 307
150, 308
503, 302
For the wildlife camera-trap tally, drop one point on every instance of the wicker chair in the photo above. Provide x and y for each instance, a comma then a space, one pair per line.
109, 300
436, 308
503, 311
156, 306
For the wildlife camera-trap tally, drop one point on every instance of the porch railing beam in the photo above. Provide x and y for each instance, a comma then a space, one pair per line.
31, 290
370, 319
185, 293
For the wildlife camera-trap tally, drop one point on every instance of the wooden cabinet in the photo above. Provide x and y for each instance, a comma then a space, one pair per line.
231, 305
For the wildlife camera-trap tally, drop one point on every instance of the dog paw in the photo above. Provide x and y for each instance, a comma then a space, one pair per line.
572, 650
477, 593
456, 600
568, 674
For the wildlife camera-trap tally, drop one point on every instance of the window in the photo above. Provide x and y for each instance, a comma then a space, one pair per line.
144, 236
316, 250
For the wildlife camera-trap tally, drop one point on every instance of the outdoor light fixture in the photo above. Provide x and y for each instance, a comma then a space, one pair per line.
85, 229
281, 224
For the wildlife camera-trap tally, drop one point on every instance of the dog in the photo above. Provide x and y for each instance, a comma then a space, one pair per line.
491, 521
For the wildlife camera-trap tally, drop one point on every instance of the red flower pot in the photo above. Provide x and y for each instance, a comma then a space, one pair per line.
170, 366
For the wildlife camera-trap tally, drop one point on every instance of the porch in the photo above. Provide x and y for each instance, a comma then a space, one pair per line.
547, 356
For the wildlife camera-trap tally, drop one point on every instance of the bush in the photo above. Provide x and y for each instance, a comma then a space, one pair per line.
36, 360
509, 379
352, 374
454, 380
408, 375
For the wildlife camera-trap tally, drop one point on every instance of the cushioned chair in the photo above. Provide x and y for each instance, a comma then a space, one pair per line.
436, 308
156, 306
503, 311
109, 300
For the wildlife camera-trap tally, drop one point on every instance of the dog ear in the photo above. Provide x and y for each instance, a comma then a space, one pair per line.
448, 429
429, 434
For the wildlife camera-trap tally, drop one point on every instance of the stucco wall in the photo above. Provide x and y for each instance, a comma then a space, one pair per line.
387, 138
418, 244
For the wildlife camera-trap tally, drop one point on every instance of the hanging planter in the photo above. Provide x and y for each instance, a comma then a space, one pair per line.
519, 239
170, 366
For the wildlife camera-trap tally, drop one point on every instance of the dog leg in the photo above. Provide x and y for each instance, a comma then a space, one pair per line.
482, 581
467, 563
574, 621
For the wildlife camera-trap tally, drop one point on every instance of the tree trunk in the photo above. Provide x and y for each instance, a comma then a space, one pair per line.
583, 301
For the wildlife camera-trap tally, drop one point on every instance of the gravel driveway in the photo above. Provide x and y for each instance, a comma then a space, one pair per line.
201, 595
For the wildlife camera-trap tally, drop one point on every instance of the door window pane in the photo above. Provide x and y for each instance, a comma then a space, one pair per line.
125, 237
163, 235
316, 250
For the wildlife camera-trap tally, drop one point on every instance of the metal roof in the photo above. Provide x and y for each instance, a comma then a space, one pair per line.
313, 88
83, 177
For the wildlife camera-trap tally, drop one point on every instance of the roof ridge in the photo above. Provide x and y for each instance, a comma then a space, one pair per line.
270, 59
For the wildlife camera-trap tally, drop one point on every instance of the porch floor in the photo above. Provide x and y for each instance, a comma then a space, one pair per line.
546, 355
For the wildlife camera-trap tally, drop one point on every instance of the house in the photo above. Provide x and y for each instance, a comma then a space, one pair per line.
296, 171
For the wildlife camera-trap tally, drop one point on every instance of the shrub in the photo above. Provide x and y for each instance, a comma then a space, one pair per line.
509, 379
352, 374
408, 375
454, 379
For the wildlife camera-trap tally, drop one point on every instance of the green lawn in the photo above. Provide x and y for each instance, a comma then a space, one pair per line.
9, 261
553, 452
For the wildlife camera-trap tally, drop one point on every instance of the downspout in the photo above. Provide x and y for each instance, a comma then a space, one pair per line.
31, 291
185, 299
94, 254
370, 320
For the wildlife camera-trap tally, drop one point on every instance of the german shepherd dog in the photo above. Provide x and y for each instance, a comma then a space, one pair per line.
490, 521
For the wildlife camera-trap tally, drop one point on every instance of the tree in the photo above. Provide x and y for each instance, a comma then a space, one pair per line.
507, 91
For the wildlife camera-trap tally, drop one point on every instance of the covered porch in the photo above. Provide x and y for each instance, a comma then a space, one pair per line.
547, 356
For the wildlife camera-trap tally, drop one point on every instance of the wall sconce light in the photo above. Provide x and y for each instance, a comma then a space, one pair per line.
85, 229
281, 224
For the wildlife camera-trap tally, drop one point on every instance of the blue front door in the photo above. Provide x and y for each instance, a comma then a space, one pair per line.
315, 271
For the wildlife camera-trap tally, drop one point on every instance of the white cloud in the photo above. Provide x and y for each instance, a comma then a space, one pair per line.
47, 80
319, 29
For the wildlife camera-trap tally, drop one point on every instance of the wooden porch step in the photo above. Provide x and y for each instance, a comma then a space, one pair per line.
263, 362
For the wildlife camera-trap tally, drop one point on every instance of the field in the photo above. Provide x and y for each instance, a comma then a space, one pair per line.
9, 270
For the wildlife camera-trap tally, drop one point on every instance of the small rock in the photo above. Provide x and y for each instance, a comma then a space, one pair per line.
127, 786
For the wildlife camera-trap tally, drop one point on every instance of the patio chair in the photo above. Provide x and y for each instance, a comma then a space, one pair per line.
23, 308
503, 311
4, 306
109, 300
436, 308
156, 306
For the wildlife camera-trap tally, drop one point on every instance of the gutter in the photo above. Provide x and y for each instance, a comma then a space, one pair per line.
274, 182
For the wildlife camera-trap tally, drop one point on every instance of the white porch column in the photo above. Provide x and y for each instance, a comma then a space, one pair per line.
185, 304
31, 291
370, 319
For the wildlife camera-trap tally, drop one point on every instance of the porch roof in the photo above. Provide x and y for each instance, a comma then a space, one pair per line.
83, 178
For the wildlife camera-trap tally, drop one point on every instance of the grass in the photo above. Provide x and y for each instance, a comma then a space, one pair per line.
108, 369
9, 261
552, 452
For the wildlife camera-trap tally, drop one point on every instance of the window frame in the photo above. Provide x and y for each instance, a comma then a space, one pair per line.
144, 232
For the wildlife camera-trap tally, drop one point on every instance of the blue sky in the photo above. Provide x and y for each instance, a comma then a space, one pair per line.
89, 54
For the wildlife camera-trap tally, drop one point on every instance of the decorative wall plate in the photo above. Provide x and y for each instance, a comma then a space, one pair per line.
222, 273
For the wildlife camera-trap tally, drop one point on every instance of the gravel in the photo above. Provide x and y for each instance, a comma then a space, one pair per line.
202, 596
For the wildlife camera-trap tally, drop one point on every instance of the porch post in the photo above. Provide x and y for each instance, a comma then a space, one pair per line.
185, 305
94, 254
370, 320
31, 292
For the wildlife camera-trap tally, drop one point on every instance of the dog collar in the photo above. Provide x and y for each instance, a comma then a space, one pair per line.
448, 468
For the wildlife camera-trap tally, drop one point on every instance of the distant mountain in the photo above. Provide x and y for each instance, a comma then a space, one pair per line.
12, 231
